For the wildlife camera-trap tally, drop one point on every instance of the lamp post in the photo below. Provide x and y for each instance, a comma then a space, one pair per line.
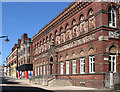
5, 37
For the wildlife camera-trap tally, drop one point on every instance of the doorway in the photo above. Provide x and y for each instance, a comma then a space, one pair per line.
51, 65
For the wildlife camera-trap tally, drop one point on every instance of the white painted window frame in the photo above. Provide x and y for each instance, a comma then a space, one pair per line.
91, 64
111, 24
44, 70
67, 67
82, 65
61, 67
111, 61
40, 70
74, 66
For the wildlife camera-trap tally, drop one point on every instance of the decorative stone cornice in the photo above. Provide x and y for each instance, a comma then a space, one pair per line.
72, 9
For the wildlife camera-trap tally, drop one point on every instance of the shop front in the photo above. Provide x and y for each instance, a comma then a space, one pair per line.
25, 71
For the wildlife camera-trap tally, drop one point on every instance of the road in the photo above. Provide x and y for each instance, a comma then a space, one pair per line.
8, 84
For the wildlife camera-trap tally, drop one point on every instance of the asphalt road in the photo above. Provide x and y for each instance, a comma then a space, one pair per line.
9, 85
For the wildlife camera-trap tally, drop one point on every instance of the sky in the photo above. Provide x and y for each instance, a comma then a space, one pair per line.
25, 17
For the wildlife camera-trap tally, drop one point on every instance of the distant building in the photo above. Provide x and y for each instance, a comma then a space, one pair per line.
12, 62
19, 62
25, 66
1, 71
5, 70
80, 45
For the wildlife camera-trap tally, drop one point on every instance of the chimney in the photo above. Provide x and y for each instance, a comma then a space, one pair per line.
19, 41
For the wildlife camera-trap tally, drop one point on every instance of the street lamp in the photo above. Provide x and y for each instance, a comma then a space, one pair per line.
5, 37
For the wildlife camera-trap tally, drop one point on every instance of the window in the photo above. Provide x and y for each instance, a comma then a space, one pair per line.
73, 22
21, 53
67, 26
82, 17
74, 32
61, 29
61, 68
28, 50
112, 63
35, 71
47, 69
23, 50
92, 64
38, 70
111, 16
55, 32
82, 65
41, 70
74, 66
67, 67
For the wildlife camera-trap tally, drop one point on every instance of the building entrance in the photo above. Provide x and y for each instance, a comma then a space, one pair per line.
51, 65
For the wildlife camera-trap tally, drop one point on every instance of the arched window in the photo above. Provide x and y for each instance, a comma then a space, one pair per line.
91, 20
111, 16
112, 58
61, 29
90, 12
67, 26
43, 40
50, 36
73, 22
40, 42
47, 38
55, 32
82, 17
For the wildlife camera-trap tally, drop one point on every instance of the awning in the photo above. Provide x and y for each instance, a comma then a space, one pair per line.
25, 67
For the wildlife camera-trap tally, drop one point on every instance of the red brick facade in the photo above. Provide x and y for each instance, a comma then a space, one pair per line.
81, 31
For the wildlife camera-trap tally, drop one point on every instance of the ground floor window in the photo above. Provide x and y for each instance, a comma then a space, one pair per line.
74, 66
112, 63
47, 69
61, 68
92, 64
41, 70
82, 65
67, 67
38, 71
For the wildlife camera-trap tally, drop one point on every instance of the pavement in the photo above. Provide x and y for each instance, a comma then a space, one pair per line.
27, 82
20, 85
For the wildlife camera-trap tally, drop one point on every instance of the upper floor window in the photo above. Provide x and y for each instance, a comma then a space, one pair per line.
67, 26
55, 32
61, 29
73, 22
111, 16
90, 12
82, 17
47, 38
50, 36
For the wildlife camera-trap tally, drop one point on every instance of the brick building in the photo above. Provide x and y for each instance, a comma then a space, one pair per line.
19, 62
80, 45
25, 66
12, 62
